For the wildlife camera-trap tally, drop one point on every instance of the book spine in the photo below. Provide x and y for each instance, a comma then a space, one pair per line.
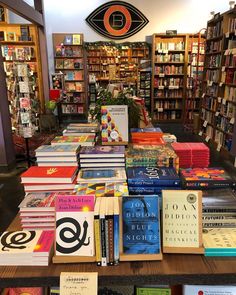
103, 241
206, 185
111, 240
153, 182
116, 239
107, 241
97, 240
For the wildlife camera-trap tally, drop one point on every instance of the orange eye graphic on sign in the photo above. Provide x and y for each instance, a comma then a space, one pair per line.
117, 20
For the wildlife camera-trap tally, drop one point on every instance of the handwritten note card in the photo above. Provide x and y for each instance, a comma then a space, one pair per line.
78, 283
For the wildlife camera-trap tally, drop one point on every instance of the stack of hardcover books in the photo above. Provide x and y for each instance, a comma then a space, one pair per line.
109, 189
146, 136
151, 156
82, 140
151, 180
192, 154
79, 129
102, 156
219, 208
205, 178
26, 247
37, 211
106, 230
97, 175
57, 155
41, 179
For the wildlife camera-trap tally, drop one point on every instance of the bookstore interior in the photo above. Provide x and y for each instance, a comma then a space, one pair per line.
118, 147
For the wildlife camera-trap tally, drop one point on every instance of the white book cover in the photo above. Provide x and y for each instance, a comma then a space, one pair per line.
208, 290
74, 225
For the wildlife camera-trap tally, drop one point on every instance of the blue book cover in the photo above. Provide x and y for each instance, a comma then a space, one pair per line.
154, 129
102, 151
141, 225
152, 176
116, 231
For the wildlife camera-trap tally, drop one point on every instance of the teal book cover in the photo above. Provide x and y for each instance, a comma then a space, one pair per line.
141, 225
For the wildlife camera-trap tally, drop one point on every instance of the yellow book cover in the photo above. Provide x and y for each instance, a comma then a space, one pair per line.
76, 39
182, 220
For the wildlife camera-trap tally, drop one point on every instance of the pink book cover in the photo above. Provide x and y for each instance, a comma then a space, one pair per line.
26, 291
74, 203
45, 242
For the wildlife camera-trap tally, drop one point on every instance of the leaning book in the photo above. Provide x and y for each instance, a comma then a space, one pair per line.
74, 225
141, 225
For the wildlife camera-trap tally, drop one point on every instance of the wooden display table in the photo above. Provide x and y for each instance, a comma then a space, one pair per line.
174, 269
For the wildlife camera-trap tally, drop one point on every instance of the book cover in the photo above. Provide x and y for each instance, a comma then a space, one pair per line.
114, 122
152, 290
52, 174
26, 291
74, 225
102, 152
68, 40
76, 140
152, 176
141, 225
38, 201
208, 290
97, 175
181, 220
57, 150
97, 237
206, 178
116, 220
76, 39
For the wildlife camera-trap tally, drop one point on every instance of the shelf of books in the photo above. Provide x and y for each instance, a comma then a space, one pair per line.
115, 62
19, 44
218, 107
169, 77
69, 58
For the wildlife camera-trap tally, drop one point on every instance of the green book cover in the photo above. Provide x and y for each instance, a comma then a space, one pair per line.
152, 291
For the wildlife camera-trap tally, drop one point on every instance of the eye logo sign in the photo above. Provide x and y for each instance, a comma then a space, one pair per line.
117, 20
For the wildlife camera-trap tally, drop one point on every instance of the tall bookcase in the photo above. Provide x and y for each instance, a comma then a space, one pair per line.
19, 43
69, 58
169, 64
218, 107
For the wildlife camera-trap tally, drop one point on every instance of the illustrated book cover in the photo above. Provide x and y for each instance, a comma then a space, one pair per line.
182, 221
38, 202
57, 150
76, 140
102, 152
74, 225
114, 122
141, 225
97, 175
152, 176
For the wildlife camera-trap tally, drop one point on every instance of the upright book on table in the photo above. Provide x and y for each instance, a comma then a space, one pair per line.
74, 225
182, 221
141, 225
114, 123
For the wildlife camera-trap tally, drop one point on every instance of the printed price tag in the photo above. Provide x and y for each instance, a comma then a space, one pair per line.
205, 123
231, 121
161, 75
218, 147
200, 133
227, 35
160, 110
223, 69
219, 99
207, 138
217, 114
203, 95
224, 101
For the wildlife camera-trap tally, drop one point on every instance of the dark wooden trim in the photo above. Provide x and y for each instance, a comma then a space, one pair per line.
7, 152
25, 10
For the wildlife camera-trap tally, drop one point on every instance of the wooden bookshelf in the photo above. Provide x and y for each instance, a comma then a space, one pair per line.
174, 269
19, 48
69, 58
218, 109
169, 64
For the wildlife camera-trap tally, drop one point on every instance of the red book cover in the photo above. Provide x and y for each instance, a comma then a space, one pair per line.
35, 174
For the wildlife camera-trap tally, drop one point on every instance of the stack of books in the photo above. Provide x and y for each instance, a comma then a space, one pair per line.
83, 140
151, 156
106, 230
146, 136
57, 155
219, 208
192, 154
37, 211
205, 178
41, 179
151, 180
26, 247
110, 189
102, 156
79, 129
97, 175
